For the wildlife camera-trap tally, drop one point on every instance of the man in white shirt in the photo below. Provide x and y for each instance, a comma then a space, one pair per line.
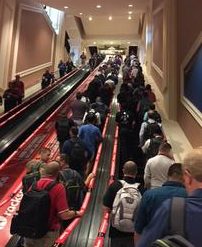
156, 169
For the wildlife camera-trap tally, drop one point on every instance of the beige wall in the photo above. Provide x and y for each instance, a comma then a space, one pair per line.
35, 44
7, 13
181, 27
162, 64
26, 45
158, 39
188, 28
156, 4
157, 23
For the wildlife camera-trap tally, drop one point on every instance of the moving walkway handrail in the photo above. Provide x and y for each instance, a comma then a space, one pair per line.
24, 102
42, 125
31, 100
99, 241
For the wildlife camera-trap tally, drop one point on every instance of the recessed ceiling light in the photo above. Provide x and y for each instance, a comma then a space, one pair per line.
80, 13
129, 17
66, 7
128, 42
111, 43
110, 18
94, 43
98, 6
130, 5
90, 18
130, 12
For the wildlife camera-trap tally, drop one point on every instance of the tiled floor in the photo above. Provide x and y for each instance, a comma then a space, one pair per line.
172, 129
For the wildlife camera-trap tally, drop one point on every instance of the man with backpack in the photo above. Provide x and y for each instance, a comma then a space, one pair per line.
101, 108
187, 213
34, 169
74, 184
78, 108
148, 128
122, 199
151, 146
126, 123
76, 152
41, 208
91, 136
62, 127
157, 116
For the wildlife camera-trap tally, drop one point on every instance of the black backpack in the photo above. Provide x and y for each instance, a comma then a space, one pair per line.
32, 218
77, 153
62, 129
124, 119
31, 177
157, 117
154, 145
74, 187
151, 129
177, 234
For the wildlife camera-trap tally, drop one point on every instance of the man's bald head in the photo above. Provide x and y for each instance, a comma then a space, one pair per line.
130, 168
30, 164
193, 163
52, 168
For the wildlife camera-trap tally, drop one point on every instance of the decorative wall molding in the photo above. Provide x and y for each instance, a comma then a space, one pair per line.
157, 10
158, 70
34, 69
187, 104
7, 20
16, 46
153, 64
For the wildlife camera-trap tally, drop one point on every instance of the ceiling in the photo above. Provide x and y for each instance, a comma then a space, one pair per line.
119, 30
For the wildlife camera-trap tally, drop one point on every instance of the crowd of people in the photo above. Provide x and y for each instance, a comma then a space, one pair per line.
66, 178
151, 188
155, 201
15, 92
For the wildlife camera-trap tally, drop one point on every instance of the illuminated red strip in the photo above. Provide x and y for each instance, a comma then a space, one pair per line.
99, 241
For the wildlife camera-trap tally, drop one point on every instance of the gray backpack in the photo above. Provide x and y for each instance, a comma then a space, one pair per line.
125, 206
177, 234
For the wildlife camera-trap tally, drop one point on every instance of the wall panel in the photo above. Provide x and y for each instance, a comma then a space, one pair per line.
35, 41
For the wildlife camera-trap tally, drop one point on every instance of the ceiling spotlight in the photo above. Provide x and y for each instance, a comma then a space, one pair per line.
111, 43
90, 18
128, 42
98, 6
110, 18
66, 7
80, 13
130, 12
94, 43
129, 17
130, 5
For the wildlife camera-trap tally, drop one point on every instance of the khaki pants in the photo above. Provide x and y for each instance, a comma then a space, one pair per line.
47, 241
